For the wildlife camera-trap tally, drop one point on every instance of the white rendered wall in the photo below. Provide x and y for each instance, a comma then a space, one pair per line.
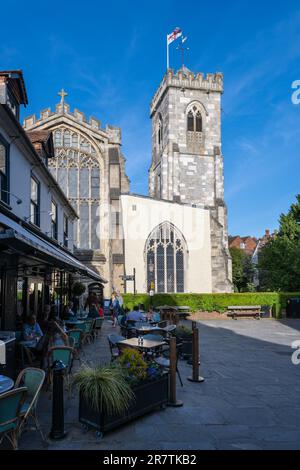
140, 215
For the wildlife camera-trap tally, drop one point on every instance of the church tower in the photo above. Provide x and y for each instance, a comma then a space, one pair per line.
187, 160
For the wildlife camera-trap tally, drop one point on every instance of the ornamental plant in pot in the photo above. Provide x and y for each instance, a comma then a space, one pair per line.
112, 395
184, 336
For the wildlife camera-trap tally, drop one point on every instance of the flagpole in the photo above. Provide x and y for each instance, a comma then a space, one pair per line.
167, 54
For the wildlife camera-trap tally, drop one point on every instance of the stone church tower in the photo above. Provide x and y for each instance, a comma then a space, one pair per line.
187, 160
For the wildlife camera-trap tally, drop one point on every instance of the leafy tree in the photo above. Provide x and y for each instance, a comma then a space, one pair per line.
242, 271
279, 259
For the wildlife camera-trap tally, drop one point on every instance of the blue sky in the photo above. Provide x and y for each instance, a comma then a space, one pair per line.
110, 57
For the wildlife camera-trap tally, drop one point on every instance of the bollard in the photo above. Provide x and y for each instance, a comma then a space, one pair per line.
190, 360
58, 426
173, 361
196, 377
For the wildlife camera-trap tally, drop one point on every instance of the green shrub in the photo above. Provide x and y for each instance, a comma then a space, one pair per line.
213, 302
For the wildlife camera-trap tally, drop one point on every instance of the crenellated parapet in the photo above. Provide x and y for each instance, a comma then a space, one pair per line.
62, 108
185, 79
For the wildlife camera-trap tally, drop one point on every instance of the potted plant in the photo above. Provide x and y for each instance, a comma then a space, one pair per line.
184, 336
112, 395
78, 289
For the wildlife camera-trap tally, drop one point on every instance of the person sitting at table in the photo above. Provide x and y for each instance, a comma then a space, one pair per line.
135, 315
68, 313
100, 310
93, 312
156, 316
142, 308
31, 329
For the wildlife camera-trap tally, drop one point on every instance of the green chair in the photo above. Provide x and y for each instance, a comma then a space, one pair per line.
88, 333
33, 379
10, 414
64, 354
76, 337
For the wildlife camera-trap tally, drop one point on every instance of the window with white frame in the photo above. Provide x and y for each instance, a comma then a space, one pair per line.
166, 253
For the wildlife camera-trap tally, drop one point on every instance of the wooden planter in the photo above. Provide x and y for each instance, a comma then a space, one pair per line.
148, 396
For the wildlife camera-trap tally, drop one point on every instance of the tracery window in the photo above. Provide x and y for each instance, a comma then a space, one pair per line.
195, 137
165, 256
77, 170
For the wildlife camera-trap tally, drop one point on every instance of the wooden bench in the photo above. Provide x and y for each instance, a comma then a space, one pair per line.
244, 311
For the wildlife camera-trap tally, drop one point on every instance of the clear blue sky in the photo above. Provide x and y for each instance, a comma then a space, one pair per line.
110, 57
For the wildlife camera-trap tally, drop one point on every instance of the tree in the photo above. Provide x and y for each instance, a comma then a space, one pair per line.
242, 270
279, 259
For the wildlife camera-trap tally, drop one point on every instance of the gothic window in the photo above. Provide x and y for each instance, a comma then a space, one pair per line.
159, 131
165, 256
77, 170
75, 140
194, 120
194, 128
67, 139
190, 121
57, 139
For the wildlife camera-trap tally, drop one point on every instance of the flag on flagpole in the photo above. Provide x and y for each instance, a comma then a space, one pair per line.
170, 38
174, 35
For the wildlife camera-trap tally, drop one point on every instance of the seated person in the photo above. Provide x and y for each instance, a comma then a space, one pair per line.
156, 316
93, 312
135, 315
68, 313
122, 319
142, 308
32, 330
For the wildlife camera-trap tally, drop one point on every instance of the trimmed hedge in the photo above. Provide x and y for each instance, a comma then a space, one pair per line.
213, 302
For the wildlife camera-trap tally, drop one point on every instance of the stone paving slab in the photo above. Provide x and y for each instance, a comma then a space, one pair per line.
249, 399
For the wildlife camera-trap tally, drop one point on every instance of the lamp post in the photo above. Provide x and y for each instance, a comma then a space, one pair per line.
151, 286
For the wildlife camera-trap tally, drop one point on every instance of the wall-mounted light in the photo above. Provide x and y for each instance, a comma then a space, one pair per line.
18, 200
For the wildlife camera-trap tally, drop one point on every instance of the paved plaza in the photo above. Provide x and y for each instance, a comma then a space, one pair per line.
249, 399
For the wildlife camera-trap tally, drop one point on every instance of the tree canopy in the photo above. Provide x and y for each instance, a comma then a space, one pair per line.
279, 259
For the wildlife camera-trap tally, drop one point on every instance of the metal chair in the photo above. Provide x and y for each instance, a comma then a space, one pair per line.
64, 354
88, 333
75, 337
33, 379
164, 362
10, 414
113, 340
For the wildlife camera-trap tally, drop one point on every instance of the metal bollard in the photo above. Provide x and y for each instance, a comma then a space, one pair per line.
173, 360
195, 358
191, 360
58, 425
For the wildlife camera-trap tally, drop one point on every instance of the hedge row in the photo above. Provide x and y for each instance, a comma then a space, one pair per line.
213, 302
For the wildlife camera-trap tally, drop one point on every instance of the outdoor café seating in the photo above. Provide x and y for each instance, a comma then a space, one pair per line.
113, 340
33, 379
10, 415
64, 354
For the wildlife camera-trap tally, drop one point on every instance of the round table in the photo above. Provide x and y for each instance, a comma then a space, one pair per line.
6, 384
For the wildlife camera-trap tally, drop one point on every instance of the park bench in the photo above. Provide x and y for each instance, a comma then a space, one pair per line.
244, 311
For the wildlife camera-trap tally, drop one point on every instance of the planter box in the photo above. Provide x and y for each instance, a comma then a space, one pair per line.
186, 347
148, 396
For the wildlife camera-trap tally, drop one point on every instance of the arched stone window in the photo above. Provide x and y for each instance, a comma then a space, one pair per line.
165, 254
195, 137
77, 171
159, 131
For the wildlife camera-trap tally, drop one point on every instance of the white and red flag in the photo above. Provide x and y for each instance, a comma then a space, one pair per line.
174, 35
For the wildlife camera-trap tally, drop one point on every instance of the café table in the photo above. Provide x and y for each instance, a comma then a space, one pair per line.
146, 345
74, 322
6, 384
